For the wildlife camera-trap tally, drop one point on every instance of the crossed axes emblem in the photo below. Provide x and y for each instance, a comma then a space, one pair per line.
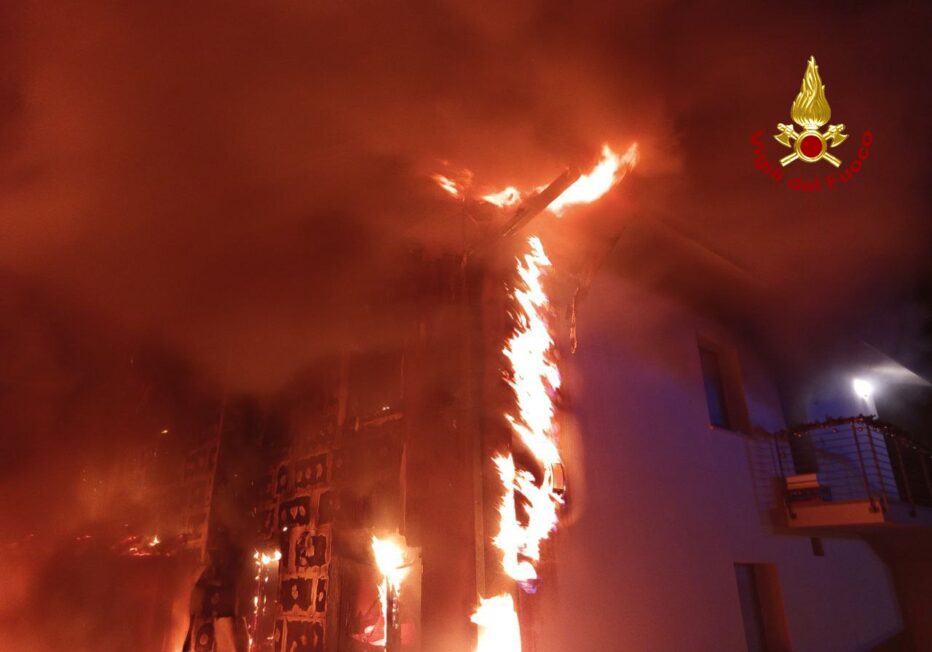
810, 145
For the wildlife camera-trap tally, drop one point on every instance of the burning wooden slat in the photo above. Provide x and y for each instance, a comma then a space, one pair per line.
537, 203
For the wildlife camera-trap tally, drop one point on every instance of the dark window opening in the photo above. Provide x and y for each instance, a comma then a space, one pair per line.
818, 548
713, 380
762, 612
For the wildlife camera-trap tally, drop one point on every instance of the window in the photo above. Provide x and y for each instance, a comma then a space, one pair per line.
713, 379
724, 391
761, 600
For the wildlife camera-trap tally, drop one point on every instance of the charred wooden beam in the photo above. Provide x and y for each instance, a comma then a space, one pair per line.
537, 203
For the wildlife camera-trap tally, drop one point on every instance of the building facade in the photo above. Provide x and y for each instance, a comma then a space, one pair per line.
714, 500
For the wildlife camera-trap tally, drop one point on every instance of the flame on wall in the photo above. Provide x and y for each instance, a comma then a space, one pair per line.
534, 379
497, 620
264, 563
530, 504
390, 559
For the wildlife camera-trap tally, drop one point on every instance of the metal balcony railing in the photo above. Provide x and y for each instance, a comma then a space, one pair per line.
853, 459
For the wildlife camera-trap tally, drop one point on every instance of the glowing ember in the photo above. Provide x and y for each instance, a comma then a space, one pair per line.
499, 630
588, 188
503, 198
264, 563
449, 185
138, 546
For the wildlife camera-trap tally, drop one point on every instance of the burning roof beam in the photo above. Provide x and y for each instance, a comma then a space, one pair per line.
538, 203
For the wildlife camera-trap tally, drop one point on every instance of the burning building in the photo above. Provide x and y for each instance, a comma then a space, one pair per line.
446, 363
552, 432
415, 502
415, 509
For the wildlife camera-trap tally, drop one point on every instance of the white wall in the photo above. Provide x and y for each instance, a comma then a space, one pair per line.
662, 506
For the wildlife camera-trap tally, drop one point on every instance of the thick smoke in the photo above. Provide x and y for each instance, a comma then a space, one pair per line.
238, 182
240, 178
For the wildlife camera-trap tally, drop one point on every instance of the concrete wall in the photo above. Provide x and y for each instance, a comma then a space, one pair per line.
662, 506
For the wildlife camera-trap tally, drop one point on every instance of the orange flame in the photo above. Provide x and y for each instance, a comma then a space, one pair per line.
504, 198
520, 544
389, 554
610, 169
264, 562
534, 381
529, 350
499, 630
390, 559
264, 559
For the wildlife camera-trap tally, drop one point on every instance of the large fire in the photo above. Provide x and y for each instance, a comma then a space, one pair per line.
610, 169
529, 509
534, 379
588, 188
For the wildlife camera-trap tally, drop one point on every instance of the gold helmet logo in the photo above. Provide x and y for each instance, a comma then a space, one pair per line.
810, 111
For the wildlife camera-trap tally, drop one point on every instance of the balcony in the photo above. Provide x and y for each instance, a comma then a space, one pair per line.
853, 474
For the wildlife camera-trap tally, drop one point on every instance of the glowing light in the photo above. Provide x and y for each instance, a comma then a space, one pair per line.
863, 388
154, 542
503, 198
263, 563
499, 630
529, 508
449, 185
610, 169
530, 352
534, 378
390, 559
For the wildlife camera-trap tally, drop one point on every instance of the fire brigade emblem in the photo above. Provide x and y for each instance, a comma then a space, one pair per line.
810, 111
